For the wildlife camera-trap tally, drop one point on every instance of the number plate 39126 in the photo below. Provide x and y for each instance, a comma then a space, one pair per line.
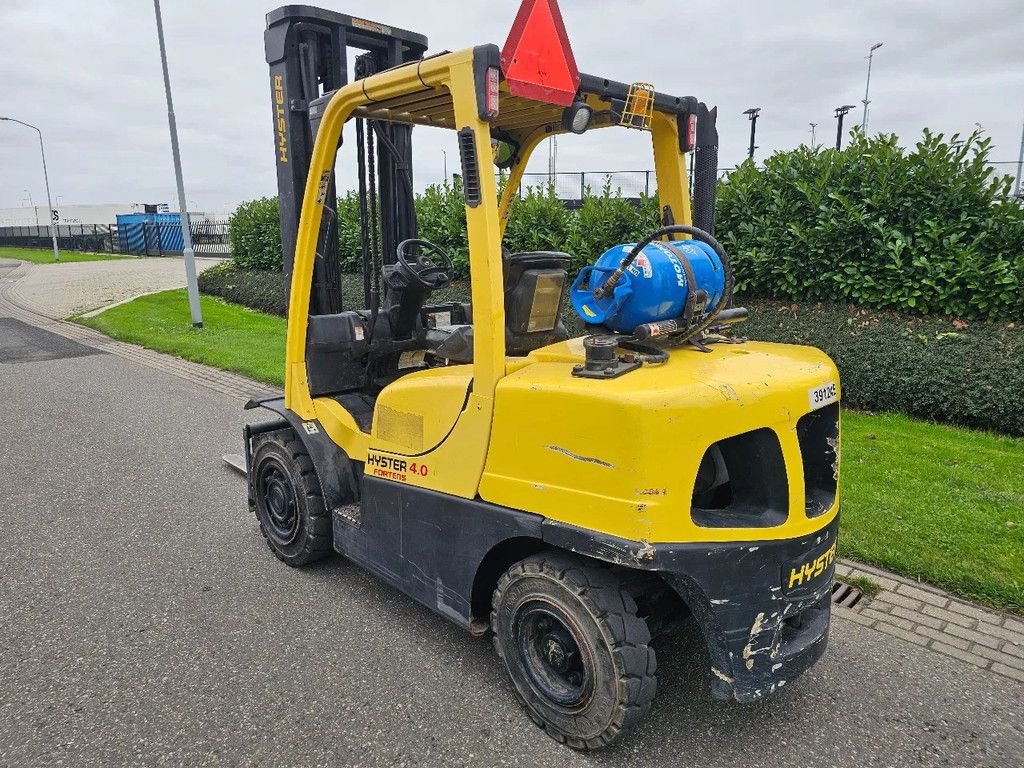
826, 394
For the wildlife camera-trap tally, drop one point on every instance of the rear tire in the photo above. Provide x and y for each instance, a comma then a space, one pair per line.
287, 500
578, 654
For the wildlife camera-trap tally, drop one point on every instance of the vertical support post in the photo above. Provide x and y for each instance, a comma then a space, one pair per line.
670, 166
1020, 164
191, 278
483, 221
49, 204
867, 88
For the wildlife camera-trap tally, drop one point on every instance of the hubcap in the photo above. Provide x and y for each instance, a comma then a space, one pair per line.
277, 496
551, 651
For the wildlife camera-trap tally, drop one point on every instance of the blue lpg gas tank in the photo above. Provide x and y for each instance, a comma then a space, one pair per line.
654, 287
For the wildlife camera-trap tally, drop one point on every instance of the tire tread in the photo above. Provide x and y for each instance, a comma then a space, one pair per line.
319, 540
613, 607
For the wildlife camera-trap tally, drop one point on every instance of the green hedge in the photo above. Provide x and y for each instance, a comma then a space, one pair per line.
263, 290
540, 222
929, 231
255, 232
932, 368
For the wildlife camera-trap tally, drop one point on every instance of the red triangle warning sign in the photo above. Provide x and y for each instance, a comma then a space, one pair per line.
537, 59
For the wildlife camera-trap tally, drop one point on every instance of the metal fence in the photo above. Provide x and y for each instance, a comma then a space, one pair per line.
571, 188
144, 239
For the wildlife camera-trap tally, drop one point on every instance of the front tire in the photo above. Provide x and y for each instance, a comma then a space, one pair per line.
286, 499
578, 654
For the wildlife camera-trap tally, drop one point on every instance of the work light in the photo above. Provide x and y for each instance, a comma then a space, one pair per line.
577, 117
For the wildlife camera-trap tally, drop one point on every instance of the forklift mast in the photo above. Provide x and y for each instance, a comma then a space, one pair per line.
307, 50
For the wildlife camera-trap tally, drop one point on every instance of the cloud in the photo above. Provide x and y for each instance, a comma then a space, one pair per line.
88, 73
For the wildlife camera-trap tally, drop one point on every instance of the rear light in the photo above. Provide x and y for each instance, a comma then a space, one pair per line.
691, 131
493, 83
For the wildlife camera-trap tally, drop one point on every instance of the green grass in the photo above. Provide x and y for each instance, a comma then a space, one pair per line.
937, 503
942, 504
864, 584
41, 256
233, 338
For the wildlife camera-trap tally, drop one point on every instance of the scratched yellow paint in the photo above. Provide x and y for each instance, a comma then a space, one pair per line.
621, 456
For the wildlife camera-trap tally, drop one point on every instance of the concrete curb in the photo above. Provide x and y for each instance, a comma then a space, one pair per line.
905, 609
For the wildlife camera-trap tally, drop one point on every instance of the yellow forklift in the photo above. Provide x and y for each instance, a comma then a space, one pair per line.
571, 496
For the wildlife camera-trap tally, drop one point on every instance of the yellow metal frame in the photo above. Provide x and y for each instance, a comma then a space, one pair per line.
486, 224
524, 436
456, 464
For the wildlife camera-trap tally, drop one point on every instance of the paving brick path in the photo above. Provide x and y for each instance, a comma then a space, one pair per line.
63, 290
927, 616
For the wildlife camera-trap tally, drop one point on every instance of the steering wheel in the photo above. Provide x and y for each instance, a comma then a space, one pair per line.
432, 273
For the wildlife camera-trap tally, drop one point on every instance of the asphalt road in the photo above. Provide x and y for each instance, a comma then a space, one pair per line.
143, 621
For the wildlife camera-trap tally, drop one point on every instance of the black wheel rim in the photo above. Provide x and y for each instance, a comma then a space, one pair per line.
557, 661
277, 496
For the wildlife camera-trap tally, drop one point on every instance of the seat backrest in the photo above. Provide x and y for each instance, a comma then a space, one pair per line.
535, 287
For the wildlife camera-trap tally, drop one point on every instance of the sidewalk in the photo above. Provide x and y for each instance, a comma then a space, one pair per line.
60, 291
926, 616
913, 612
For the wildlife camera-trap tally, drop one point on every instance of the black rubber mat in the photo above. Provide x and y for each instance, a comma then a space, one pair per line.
23, 343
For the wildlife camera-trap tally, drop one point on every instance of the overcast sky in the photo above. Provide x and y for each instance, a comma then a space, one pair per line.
88, 73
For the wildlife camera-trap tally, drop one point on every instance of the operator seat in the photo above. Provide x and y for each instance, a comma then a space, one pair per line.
535, 286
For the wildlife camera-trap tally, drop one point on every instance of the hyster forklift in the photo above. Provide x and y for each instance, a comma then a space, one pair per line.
574, 497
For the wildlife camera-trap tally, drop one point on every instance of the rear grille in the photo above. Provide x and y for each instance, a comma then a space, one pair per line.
845, 595
470, 168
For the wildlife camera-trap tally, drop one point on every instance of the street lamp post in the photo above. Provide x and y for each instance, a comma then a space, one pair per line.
752, 114
553, 161
814, 127
841, 112
867, 88
1020, 165
186, 230
46, 178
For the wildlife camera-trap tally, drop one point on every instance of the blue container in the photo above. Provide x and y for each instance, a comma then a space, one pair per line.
150, 233
654, 287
